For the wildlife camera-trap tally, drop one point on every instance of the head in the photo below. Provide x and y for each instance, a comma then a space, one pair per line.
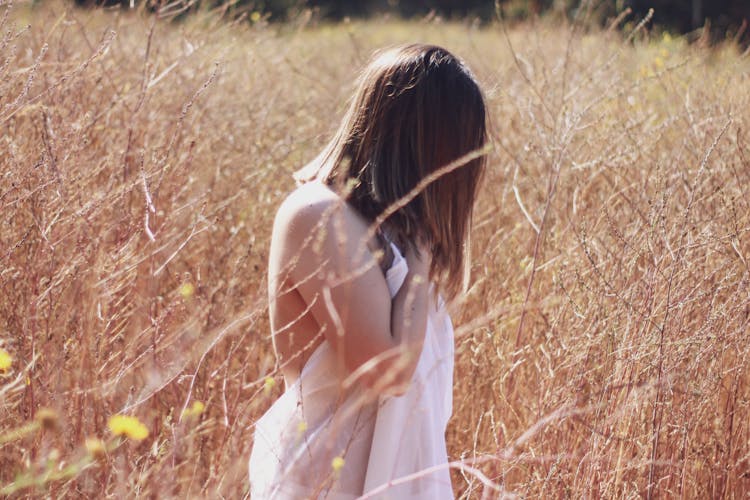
416, 112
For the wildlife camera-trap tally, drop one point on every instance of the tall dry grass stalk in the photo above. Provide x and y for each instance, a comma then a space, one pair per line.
601, 351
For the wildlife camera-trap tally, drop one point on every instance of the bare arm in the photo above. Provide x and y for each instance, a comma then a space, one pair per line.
409, 318
376, 339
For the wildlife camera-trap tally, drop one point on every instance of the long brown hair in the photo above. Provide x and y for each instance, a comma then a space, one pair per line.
417, 108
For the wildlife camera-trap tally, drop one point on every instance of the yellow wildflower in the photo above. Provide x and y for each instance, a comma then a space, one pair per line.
5, 360
187, 290
268, 384
301, 427
124, 425
255, 16
195, 409
337, 463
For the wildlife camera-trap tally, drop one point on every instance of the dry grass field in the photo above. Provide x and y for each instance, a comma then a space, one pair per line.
602, 348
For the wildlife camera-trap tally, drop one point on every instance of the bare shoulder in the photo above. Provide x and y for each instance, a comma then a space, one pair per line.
308, 200
313, 207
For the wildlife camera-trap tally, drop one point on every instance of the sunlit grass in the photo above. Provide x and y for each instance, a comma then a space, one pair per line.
601, 350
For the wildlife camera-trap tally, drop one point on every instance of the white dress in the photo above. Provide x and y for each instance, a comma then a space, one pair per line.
393, 448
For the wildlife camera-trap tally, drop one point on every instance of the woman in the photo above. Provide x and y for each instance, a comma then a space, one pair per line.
362, 253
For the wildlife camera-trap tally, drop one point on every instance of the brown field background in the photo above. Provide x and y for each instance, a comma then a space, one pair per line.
602, 349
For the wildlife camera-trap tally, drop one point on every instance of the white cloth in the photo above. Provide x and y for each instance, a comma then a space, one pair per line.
380, 442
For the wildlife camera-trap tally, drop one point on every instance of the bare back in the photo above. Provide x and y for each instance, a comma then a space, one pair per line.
296, 332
